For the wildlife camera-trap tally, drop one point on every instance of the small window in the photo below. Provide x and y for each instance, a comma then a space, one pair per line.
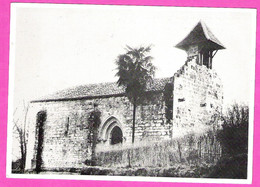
203, 104
67, 126
181, 99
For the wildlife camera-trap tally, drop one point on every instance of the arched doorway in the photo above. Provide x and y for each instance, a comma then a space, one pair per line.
116, 136
111, 131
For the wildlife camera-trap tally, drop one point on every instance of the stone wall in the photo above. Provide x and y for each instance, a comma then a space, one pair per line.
65, 142
197, 96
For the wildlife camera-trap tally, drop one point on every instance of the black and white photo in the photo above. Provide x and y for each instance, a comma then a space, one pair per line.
131, 93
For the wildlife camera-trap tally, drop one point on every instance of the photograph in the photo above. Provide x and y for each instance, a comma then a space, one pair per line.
131, 93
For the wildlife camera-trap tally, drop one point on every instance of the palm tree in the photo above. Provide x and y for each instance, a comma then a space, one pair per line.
135, 72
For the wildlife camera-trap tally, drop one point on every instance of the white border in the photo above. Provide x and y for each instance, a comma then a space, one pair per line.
120, 178
251, 105
11, 90
131, 178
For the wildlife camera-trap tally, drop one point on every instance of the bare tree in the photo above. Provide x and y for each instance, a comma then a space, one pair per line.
19, 129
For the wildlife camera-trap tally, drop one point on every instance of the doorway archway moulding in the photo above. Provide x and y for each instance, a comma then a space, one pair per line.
107, 127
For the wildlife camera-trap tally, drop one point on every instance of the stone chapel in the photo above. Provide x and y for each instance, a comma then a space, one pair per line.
57, 124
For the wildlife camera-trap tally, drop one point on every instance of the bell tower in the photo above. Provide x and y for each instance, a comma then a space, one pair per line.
201, 44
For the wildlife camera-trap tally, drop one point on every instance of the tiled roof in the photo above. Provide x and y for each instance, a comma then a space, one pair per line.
98, 90
200, 34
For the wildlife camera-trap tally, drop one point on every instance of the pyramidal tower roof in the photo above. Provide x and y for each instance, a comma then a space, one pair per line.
200, 34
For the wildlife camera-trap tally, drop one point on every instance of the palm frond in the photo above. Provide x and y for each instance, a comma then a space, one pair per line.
135, 71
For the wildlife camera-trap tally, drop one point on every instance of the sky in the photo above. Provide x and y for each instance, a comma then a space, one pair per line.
60, 46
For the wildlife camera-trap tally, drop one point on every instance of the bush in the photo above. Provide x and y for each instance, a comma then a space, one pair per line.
234, 135
230, 167
17, 166
95, 171
233, 138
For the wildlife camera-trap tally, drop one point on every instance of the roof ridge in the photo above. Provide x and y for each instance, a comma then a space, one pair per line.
97, 90
204, 27
110, 82
208, 32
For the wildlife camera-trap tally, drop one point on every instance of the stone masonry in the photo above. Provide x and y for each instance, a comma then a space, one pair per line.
197, 96
65, 142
